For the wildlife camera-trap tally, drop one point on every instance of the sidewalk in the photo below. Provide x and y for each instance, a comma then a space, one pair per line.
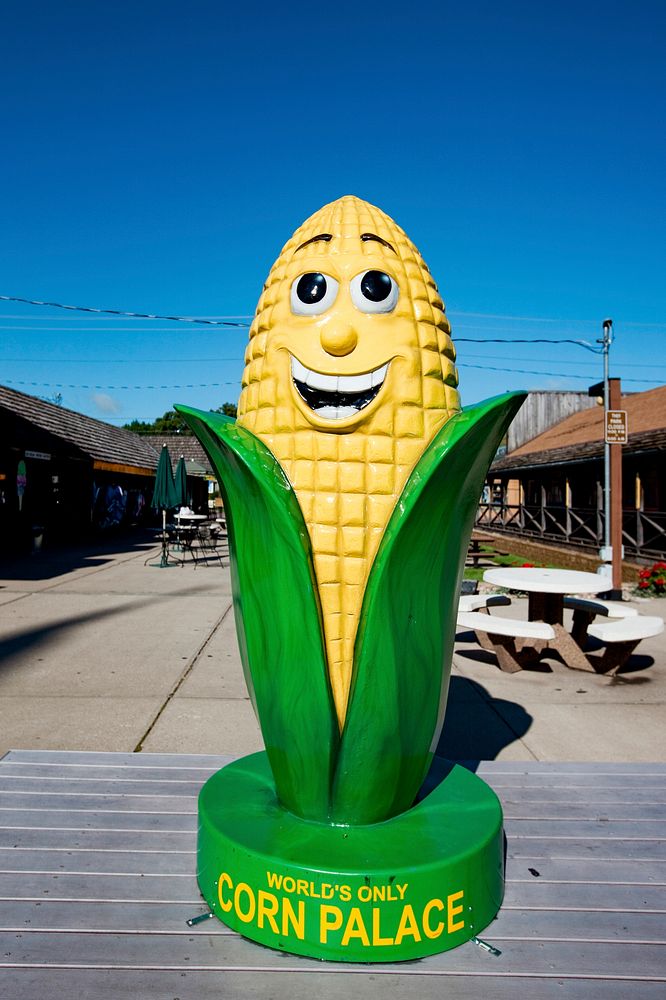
99, 652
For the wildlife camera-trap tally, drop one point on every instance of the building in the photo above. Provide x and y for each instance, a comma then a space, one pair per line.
63, 474
551, 487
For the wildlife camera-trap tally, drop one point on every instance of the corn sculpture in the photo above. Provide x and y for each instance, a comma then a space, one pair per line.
350, 481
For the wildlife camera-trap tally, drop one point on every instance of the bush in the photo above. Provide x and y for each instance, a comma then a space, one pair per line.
652, 581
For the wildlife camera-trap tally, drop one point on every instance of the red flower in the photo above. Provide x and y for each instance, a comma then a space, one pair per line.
659, 566
643, 585
660, 581
527, 565
645, 573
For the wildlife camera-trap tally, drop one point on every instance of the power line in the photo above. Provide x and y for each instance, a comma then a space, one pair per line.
124, 361
556, 361
239, 359
69, 385
529, 371
215, 385
122, 312
234, 321
522, 340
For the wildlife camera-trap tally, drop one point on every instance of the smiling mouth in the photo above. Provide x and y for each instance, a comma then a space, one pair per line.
336, 397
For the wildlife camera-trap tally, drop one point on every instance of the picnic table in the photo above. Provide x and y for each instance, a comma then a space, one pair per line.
518, 643
97, 881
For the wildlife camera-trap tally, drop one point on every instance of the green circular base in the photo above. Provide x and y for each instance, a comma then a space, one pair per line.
419, 883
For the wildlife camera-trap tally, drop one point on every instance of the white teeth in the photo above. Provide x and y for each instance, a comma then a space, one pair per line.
379, 375
299, 371
337, 383
333, 385
336, 412
354, 383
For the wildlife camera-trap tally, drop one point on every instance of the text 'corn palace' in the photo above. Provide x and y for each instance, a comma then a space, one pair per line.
349, 375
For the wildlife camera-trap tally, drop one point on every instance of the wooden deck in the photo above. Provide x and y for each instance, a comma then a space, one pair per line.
97, 858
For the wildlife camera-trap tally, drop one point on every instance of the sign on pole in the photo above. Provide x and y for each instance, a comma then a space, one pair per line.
616, 426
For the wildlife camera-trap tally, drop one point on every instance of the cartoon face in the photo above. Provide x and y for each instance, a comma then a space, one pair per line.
350, 321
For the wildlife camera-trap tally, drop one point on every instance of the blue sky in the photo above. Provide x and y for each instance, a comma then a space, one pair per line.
156, 156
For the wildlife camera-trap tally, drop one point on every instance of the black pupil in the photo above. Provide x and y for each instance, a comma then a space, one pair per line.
376, 286
311, 287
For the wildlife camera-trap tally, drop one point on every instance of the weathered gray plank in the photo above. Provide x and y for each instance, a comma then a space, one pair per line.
186, 805
187, 788
129, 862
326, 983
97, 772
532, 892
182, 863
166, 841
138, 918
496, 768
84, 885
654, 829
588, 811
105, 759
183, 787
104, 840
609, 848
548, 895
88, 819
17, 798
201, 950
595, 797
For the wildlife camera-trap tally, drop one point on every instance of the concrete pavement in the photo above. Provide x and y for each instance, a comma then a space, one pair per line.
99, 652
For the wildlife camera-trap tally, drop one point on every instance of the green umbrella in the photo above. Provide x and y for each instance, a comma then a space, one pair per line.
180, 482
164, 497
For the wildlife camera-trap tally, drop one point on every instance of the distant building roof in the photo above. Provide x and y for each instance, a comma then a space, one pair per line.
182, 444
581, 436
101, 442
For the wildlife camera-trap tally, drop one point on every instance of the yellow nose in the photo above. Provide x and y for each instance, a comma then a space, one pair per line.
339, 340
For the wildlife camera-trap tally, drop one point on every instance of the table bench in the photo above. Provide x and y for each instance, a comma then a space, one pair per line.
504, 637
97, 862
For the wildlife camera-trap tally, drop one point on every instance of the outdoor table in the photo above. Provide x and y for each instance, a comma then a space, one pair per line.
546, 590
97, 881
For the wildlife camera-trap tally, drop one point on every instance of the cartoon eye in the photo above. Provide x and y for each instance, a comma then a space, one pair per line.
313, 293
374, 292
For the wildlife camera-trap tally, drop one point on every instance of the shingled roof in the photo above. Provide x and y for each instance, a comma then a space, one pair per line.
102, 442
181, 444
581, 436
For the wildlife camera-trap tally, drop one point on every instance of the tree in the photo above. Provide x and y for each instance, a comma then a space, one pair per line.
228, 409
171, 423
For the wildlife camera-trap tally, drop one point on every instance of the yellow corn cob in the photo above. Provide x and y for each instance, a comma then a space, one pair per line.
348, 474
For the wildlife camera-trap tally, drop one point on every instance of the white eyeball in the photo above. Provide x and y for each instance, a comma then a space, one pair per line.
374, 292
313, 293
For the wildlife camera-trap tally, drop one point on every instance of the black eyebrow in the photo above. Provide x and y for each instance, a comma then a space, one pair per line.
326, 237
371, 236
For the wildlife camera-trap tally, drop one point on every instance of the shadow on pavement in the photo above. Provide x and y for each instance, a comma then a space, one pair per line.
14, 645
57, 561
477, 726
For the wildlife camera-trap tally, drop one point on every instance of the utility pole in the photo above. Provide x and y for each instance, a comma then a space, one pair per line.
606, 341
612, 550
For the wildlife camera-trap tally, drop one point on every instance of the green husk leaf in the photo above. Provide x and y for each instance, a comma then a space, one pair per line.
278, 617
402, 656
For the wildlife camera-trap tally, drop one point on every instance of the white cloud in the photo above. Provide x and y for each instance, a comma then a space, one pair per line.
105, 403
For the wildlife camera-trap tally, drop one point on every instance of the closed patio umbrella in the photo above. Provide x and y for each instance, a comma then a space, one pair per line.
164, 497
180, 482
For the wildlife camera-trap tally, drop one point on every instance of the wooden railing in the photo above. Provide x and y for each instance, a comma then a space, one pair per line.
643, 533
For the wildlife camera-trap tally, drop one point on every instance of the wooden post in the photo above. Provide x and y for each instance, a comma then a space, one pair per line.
567, 504
615, 403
